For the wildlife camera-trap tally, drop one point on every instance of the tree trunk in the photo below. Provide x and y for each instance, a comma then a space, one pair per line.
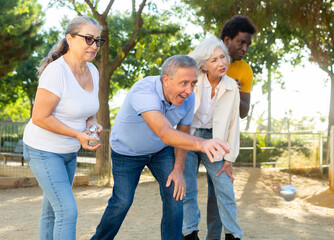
249, 117
330, 114
269, 100
102, 154
331, 104
269, 103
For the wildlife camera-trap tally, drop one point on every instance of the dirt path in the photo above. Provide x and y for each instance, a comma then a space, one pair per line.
262, 213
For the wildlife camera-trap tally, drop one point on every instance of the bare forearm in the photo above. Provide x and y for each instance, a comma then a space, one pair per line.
42, 116
52, 124
177, 174
180, 158
181, 154
244, 108
181, 140
244, 104
160, 125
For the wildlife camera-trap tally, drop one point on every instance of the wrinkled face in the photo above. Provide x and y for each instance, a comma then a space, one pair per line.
238, 46
178, 88
216, 65
78, 45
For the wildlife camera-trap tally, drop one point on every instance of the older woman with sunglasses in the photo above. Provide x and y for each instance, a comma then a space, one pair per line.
66, 104
216, 115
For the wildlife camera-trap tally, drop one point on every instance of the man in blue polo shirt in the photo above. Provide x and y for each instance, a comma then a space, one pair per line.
144, 135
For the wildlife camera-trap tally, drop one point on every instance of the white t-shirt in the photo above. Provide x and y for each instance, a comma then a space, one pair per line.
76, 105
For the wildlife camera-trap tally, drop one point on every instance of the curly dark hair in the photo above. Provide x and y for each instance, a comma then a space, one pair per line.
237, 24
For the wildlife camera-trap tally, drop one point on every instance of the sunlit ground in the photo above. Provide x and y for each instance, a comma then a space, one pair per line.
262, 213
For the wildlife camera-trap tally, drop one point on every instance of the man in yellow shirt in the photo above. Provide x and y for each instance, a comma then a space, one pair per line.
237, 35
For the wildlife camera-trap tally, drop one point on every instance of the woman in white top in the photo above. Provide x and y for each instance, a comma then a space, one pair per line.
66, 103
216, 115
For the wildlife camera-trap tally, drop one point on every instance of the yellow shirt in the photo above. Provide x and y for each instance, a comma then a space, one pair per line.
242, 71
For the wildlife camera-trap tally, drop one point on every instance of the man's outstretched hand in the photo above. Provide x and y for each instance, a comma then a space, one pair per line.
215, 148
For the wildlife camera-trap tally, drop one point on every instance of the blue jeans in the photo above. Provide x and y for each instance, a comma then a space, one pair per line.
222, 209
214, 223
55, 173
126, 173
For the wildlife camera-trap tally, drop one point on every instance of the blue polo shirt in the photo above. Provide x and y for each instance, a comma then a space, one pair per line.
130, 134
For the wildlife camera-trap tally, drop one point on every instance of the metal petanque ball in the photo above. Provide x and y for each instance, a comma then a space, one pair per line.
92, 131
288, 192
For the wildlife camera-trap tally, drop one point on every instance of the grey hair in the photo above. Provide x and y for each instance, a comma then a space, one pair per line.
173, 63
61, 47
205, 49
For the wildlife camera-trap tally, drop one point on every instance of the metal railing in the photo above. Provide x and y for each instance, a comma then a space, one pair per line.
305, 140
267, 149
11, 161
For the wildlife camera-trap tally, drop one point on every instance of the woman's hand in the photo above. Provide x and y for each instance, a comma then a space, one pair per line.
100, 128
238, 83
84, 139
92, 121
228, 169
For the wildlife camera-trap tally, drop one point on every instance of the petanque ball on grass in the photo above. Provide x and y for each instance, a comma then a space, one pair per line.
288, 192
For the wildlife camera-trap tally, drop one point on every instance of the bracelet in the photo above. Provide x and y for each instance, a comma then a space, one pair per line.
228, 163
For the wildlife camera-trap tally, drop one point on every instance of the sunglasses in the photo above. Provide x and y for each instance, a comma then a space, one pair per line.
90, 40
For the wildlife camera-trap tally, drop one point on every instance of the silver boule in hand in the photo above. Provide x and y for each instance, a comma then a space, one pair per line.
92, 131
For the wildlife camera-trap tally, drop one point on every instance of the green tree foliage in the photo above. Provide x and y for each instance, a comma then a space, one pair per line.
20, 21
151, 50
18, 111
22, 83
